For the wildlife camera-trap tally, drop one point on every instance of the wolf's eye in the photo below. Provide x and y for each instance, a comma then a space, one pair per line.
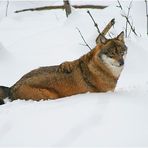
125, 52
111, 55
122, 53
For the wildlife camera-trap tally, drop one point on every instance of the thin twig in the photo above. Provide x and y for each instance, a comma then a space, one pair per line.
7, 7
119, 5
110, 35
82, 44
132, 28
127, 18
130, 5
83, 38
95, 24
146, 14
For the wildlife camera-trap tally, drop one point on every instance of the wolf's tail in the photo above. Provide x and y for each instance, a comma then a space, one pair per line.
4, 93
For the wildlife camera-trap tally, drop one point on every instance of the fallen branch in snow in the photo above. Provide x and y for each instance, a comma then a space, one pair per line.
89, 6
41, 8
95, 24
62, 7
146, 14
106, 29
84, 39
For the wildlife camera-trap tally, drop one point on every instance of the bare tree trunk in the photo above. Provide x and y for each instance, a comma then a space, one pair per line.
67, 7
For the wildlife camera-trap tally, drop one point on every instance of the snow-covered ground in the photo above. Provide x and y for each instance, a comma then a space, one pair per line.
32, 39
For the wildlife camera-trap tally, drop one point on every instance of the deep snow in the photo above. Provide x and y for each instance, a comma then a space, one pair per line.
32, 39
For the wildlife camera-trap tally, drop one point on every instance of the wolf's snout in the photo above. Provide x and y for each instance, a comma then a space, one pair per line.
121, 62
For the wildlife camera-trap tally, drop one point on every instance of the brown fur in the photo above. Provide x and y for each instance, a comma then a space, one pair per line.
87, 74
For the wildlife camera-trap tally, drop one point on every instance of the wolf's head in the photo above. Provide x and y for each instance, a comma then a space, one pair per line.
112, 53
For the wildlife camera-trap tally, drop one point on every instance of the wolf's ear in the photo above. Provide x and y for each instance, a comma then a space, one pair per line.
101, 39
120, 37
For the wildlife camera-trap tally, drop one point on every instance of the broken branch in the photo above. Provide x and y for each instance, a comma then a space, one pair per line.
106, 29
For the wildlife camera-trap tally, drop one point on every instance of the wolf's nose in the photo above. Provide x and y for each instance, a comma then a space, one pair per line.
121, 62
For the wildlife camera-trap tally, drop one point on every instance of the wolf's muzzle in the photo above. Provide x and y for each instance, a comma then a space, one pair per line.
121, 62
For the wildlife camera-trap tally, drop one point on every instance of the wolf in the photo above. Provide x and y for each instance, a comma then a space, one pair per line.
96, 71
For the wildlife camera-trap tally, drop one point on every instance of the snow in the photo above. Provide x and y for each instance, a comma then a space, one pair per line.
32, 39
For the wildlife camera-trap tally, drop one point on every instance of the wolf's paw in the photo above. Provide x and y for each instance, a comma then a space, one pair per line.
65, 67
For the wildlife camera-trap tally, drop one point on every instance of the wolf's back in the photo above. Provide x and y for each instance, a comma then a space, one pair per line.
4, 93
